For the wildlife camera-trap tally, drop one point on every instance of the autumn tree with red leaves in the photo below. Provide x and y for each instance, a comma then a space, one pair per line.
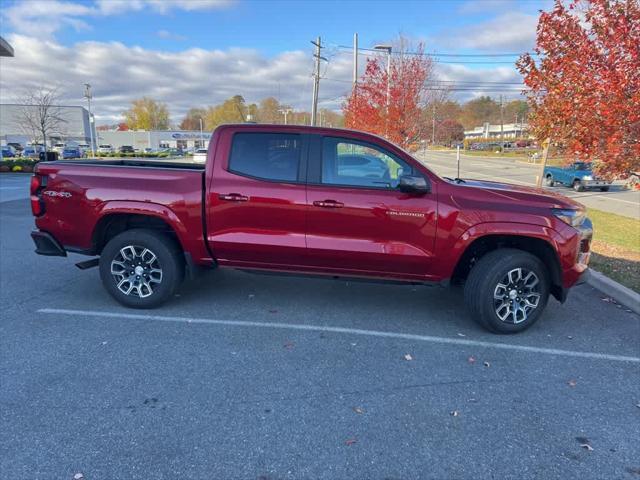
403, 122
585, 84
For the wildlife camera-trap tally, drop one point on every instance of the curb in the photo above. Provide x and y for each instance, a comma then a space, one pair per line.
613, 289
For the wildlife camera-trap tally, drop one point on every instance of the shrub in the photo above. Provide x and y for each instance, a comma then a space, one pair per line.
16, 168
4, 168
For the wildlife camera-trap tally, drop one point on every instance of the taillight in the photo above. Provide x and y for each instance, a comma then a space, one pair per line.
38, 182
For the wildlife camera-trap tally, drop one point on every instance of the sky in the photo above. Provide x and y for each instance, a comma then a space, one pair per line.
194, 53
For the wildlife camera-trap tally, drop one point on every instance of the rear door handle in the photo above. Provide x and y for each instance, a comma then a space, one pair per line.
328, 204
233, 197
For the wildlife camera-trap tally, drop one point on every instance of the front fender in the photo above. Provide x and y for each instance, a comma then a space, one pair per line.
546, 233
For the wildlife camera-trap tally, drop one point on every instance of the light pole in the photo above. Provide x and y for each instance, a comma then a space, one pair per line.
88, 96
285, 112
387, 48
201, 138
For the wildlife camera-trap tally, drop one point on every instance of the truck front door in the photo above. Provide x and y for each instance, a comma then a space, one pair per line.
358, 221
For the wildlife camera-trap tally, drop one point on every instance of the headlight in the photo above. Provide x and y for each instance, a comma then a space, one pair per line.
570, 217
587, 177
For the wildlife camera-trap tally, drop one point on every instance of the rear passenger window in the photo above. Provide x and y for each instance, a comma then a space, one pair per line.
272, 156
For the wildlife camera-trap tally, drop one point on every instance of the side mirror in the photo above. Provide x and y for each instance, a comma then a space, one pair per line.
417, 185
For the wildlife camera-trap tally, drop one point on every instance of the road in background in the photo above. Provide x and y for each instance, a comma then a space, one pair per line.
617, 200
262, 377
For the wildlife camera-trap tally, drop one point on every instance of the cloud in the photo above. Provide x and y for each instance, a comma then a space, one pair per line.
474, 82
45, 17
167, 35
474, 6
514, 31
183, 79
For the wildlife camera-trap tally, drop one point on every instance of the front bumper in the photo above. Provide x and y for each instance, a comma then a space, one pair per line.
595, 183
47, 245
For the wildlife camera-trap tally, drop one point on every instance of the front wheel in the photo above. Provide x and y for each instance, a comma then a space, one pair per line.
141, 268
578, 186
548, 181
507, 290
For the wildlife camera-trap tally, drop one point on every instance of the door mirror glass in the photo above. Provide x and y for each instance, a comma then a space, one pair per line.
414, 184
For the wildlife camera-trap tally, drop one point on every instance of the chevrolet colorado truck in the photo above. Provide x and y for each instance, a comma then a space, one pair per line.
577, 175
312, 200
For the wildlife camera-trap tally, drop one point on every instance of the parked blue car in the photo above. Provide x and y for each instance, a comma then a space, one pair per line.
32, 152
7, 151
577, 175
71, 152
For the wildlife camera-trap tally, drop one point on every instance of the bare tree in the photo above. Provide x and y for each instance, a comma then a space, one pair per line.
41, 116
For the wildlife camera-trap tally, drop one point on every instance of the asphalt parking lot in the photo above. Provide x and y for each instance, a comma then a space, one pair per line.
261, 377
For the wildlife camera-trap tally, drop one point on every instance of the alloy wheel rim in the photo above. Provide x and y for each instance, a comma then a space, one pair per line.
136, 271
516, 296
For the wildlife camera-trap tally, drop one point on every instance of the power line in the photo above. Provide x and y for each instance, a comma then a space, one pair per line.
436, 54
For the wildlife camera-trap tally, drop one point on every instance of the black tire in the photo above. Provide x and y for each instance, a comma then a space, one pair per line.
578, 186
155, 287
604, 189
483, 283
548, 181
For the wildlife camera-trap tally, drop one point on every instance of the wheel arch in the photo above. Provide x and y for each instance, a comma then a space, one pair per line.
115, 219
540, 247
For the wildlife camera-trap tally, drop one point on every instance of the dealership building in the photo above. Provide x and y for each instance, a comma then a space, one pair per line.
74, 126
154, 139
507, 130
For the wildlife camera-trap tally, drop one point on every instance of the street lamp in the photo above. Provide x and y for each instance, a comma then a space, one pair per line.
201, 138
285, 112
386, 48
88, 96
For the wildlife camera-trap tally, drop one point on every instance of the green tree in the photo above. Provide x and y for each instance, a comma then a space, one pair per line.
270, 111
478, 111
191, 120
147, 114
515, 109
232, 110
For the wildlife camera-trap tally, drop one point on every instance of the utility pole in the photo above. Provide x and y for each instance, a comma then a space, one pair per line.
355, 62
433, 128
89, 96
388, 49
201, 137
316, 80
545, 154
501, 122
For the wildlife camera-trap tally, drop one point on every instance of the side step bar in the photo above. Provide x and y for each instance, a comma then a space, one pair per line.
88, 264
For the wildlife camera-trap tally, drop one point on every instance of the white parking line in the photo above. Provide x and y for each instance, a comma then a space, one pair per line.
350, 331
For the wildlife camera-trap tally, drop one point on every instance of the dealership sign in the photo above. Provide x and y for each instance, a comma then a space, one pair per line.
187, 135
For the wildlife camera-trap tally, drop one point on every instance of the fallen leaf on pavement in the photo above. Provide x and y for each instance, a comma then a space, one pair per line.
289, 345
461, 335
78, 476
408, 357
471, 359
586, 446
350, 441
572, 383
607, 299
358, 410
454, 413
486, 364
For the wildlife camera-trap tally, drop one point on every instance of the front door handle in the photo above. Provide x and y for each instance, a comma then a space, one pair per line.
328, 204
233, 197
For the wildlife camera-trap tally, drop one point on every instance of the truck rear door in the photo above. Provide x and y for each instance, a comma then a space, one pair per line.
256, 199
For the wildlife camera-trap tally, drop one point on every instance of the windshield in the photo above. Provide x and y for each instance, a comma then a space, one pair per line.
582, 166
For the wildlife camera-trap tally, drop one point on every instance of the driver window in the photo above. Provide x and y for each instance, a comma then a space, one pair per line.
352, 163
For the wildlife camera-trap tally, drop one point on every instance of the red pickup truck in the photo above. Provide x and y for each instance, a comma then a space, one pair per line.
313, 201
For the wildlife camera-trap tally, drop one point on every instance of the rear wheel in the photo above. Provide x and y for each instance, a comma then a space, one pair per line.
507, 290
604, 189
577, 185
548, 181
141, 268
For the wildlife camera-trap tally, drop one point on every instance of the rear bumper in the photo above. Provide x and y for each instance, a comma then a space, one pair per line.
47, 245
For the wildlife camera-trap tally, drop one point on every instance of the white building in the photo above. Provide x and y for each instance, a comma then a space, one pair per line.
74, 127
155, 139
507, 130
